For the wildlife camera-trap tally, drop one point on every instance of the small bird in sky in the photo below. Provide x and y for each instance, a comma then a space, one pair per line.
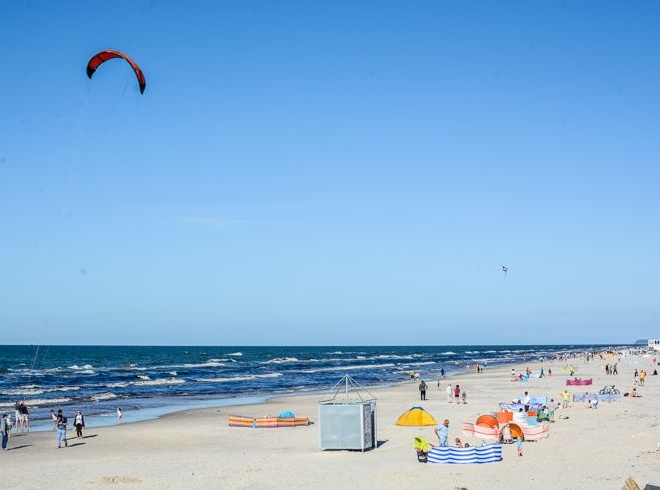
505, 269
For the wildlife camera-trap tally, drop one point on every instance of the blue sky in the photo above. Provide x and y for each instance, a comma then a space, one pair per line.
330, 173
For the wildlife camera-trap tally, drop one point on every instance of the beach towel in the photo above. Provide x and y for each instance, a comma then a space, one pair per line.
578, 382
466, 455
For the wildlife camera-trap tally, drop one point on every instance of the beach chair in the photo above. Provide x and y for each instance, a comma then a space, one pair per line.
422, 447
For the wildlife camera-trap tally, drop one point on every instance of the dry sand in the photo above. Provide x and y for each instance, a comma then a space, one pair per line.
197, 449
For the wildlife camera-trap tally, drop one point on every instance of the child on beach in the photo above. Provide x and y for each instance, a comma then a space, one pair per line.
519, 444
464, 396
506, 435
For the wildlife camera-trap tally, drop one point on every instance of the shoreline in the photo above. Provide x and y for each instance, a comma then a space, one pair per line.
136, 410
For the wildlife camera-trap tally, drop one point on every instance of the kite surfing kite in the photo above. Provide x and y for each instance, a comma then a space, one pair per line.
504, 269
101, 57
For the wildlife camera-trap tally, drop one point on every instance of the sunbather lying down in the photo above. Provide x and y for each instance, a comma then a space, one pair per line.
633, 393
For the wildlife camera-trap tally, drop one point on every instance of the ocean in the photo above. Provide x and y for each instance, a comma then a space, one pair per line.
146, 382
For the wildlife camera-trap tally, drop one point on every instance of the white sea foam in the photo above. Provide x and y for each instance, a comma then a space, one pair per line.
448, 353
79, 368
103, 396
235, 354
281, 360
31, 390
422, 363
239, 378
348, 368
143, 376
168, 381
36, 402
22, 392
204, 364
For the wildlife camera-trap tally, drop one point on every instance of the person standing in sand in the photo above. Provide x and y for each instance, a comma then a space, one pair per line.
422, 390
61, 429
79, 422
448, 392
5, 431
17, 414
565, 396
53, 417
442, 431
25, 419
120, 416
457, 394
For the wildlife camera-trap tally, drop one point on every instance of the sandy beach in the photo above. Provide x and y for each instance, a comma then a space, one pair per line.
197, 449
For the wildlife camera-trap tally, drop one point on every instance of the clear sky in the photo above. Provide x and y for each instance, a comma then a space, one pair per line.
330, 172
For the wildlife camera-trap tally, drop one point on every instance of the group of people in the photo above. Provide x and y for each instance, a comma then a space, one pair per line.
640, 377
456, 392
60, 424
611, 369
21, 417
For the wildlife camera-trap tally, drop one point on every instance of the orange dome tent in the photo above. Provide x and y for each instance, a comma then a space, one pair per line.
488, 421
516, 431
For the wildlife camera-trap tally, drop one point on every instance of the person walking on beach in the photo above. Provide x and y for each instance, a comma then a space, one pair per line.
442, 431
442, 373
25, 419
457, 394
79, 422
528, 401
565, 396
448, 392
61, 429
5, 431
120, 416
422, 390
464, 396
